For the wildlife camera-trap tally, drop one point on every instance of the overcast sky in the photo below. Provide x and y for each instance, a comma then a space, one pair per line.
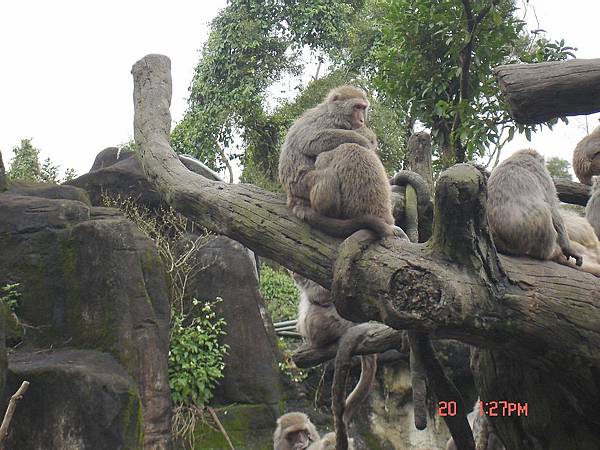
66, 78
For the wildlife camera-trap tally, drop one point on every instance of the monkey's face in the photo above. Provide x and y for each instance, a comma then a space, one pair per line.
359, 114
299, 440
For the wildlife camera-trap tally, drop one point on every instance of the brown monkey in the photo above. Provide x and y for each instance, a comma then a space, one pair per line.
592, 209
586, 157
343, 409
294, 431
523, 211
327, 442
321, 325
484, 435
583, 240
339, 119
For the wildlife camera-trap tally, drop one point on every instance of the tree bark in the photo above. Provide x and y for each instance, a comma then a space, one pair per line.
419, 156
541, 316
572, 192
539, 92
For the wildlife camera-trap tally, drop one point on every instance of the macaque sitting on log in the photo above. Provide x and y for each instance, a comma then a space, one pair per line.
523, 210
294, 431
333, 178
583, 240
586, 157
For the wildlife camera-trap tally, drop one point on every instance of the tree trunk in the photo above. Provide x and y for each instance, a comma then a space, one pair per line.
538, 323
419, 156
538, 92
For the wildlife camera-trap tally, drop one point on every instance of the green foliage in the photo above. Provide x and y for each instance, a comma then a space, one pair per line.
25, 166
9, 296
287, 365
559, 168
279, 292
196, 356
426, 50
252, 45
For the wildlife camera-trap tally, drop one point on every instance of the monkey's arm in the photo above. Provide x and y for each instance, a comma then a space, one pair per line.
330, 138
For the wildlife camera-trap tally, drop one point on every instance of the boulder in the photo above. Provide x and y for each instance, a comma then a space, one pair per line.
45, 190
118, 172
76, 400
91, 280
251, 374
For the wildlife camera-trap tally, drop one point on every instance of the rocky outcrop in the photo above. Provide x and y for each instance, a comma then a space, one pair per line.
251, 374
90, 280
118, 172
76, 400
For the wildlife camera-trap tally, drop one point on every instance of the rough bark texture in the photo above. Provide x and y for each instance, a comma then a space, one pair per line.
572, 192
419, 156
538, 92
454, 286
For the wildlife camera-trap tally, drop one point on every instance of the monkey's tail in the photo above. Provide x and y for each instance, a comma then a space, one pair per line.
424, 203
368, 370
343, 227
343, 360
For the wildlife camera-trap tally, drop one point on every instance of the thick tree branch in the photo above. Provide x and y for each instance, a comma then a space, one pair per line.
572, 192
451, 287
538, 92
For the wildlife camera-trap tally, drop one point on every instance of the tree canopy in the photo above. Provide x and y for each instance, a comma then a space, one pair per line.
424, 63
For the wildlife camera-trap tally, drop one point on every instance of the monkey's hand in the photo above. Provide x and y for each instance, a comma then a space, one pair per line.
571, 254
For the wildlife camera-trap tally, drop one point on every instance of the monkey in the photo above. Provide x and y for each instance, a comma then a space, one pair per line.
343, 409
592, 209
350, 182
337, 121
294, 431
321, 325
483, 433
583, 240
327, 442
523, 210
586, 157
318, 321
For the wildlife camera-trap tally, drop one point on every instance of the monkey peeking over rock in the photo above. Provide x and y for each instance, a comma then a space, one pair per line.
523, 210
329, 168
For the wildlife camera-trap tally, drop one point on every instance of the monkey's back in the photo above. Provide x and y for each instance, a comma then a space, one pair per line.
361, 179
520, 202
293, 161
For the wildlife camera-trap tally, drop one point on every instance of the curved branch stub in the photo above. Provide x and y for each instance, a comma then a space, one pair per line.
460, 223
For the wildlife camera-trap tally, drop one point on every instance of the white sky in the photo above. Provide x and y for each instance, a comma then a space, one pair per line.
66, 80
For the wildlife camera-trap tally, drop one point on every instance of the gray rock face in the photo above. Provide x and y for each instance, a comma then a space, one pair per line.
120, 173
76, 400
118, 176
91, 280
45, 190
251, 373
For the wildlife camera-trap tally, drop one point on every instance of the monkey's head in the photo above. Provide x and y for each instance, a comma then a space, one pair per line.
294, 431
348, 106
